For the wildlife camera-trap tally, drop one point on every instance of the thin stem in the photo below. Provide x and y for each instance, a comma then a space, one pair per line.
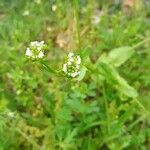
141, 105
141, 43
49, 69
98, 123
77, 22
106, 107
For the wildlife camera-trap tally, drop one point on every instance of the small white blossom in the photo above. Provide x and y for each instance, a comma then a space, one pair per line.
41, 54
42, 42
73, 74
69, 62
65, 67
28, 52
70, 54
37, 43
72, 66
36, 50
71, 59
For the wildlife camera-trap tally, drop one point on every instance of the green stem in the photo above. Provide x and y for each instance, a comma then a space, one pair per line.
106, 108
77, 22
49, 69
141, 43
98, 123
141, 105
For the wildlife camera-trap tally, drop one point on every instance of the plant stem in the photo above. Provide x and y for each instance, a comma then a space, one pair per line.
140, 43
49, 69
77, 22
141, 105
106, 108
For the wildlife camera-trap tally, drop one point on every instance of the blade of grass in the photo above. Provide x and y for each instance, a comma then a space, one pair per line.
141, 43
49, 69
76, 10
106, 107
142, 106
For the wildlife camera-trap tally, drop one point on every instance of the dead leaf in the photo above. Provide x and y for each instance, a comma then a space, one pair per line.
62, 40
128, 3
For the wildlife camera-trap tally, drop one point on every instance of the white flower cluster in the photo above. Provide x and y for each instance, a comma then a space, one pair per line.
36, 50
72, 66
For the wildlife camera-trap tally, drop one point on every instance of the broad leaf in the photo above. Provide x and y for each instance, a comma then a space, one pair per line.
118, 56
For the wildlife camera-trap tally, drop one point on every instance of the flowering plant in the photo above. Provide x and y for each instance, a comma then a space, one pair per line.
35, 50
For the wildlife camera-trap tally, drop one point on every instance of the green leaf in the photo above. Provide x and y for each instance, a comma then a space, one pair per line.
118, 56
125, 88
47, 67
85, 53
113, 77
82, 73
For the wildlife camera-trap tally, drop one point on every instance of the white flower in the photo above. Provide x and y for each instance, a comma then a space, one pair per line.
28, 52
70, 54
42, 42
72, 66
73, 74
71, 59
69, 62
34, 43
65, 67
36, 50
41, 54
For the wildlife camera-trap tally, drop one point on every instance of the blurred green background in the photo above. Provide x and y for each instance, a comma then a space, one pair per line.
41, 111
